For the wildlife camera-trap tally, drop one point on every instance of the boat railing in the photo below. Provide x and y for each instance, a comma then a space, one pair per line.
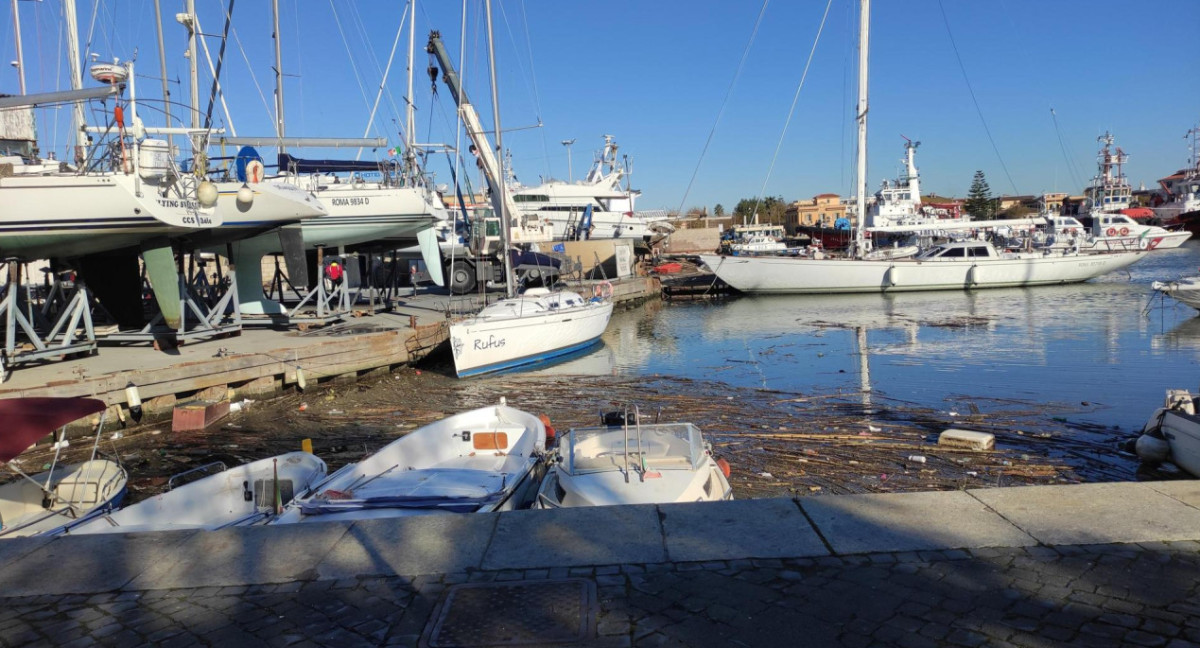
206, 469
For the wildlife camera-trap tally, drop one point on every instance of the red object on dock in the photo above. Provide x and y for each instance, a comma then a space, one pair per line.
668, 268
197, 415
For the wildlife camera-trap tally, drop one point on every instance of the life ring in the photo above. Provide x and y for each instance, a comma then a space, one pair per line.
602, 290
1124, 231
1111, 231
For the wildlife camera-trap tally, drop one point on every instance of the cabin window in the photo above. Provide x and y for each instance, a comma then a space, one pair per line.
953, 252
492, 228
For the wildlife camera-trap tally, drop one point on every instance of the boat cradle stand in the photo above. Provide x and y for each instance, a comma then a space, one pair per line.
70, 331
195, 292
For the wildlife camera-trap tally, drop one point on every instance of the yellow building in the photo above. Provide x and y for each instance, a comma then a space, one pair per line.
822, 211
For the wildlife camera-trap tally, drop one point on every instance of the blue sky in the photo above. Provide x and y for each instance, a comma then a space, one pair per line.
654, 74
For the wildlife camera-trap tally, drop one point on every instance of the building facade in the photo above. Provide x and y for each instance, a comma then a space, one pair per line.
822, 211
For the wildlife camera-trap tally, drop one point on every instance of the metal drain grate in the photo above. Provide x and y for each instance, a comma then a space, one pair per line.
513, 613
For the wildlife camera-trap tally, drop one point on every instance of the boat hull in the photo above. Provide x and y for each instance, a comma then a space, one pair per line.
484, 346
1182, 432
240, 496
1186, 291
783, 275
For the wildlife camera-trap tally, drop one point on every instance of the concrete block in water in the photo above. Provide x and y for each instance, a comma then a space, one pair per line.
967, 439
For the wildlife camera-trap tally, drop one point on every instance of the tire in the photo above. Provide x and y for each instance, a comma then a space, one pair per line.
460, 277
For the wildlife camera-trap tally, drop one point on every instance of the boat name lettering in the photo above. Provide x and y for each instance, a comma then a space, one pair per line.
492, 342
351, 202
1088, 264
175, 203
198, 219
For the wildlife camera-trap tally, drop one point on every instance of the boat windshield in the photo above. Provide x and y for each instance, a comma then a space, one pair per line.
664, 446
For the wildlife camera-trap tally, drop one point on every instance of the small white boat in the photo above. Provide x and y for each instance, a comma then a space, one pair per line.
477, 461
1185, 290
633, 463
1173, 433
244, 495
54, 501
533, 327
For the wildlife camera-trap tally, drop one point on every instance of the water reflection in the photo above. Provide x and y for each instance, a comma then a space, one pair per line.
1084, 343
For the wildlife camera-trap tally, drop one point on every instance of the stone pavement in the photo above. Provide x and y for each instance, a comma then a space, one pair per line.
1090, 565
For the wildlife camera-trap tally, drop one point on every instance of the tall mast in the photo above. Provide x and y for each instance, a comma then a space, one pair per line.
193, 71
162, 70
77, 118
410, 142
864, 28
20, 54
278, 77
501, 185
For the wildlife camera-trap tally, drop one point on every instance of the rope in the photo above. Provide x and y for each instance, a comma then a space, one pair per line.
349, 54
1063, 147
724, 103
974, 100
383, 81
237, 41
792, 109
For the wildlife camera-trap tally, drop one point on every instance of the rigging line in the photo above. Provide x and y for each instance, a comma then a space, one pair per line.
792, 109
349, 54
299, 63
537, 102
87, 46
212, 71
216, 85
1062, 145
237, 41
383, 81
724, 103
846, 54
370, 56
975, 101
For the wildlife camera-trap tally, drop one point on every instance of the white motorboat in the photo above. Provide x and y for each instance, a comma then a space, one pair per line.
1183, 187
1120, 232
757, 239
597, 207
245, 495
1173, 433
626, 461
533, 327
1185, 290
63, 497
477, 461
956, 265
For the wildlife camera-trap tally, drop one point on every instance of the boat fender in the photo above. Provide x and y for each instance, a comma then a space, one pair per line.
1111, 232
1124, 231
724, 466
550, 433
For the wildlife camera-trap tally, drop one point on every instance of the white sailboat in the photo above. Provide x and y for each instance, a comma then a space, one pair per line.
475, 462
245, 495
955, 266
633, 463
529, 328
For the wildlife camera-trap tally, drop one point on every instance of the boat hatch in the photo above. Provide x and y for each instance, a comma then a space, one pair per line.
490, 440
264, 492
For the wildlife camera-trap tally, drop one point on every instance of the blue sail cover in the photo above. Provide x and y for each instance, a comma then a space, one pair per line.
289, 163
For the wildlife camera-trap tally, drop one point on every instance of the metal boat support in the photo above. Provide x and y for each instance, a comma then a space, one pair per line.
70, 333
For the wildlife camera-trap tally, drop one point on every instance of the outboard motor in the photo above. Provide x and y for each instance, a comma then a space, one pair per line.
618, 418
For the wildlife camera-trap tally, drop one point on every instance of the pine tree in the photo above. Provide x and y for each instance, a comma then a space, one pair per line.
979, 202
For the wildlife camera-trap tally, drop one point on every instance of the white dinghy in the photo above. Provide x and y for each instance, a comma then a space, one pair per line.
536, 326
1185, 290
1173, 433
64, 496
474, 462
628, 462
245, 495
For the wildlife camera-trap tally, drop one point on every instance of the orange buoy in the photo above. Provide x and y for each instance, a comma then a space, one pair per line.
550, 433
724, 466
119, 116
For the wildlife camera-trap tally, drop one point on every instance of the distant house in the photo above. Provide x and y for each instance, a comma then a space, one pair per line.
822, 211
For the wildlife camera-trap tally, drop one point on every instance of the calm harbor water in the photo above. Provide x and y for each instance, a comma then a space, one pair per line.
1090, 351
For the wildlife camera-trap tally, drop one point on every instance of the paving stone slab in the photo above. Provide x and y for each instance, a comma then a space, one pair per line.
89, 564
426, 544
12, 549
1184, 490
910, 522
245, 556
576, 537
1094, 513
761, 528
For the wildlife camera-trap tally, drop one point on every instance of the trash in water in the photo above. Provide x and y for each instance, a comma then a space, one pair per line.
916, 458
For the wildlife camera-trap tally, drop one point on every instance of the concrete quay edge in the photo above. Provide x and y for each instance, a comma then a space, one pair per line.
809, 527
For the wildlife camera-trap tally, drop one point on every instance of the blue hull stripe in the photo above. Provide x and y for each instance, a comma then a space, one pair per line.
527, 360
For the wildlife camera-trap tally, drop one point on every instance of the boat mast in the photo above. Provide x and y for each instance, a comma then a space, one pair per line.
77, 118
864, 27
162, 71
193, 72
410, 142
502, 203
278, 76
20, 55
